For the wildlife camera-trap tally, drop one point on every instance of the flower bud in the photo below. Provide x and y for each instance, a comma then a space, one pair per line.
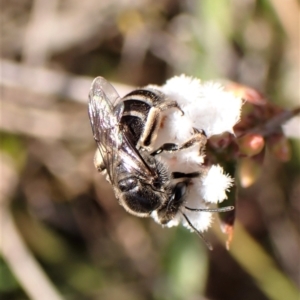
248, 172
280, 147
251, 144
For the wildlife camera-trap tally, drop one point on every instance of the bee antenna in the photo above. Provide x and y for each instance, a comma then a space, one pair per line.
221, 209
207, 243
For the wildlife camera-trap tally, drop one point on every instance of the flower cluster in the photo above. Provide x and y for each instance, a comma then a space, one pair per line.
209, 107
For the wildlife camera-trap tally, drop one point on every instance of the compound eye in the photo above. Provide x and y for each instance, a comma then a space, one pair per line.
179, 191
127, 184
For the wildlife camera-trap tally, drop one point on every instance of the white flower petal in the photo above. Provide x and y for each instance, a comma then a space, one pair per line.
208, 107
215, 184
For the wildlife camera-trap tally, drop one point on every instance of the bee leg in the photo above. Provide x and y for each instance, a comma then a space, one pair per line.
176, 175
199, 137
153, 122
150, 130
169, 104
169, 147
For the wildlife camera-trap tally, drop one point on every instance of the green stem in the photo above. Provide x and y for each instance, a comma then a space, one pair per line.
253, 258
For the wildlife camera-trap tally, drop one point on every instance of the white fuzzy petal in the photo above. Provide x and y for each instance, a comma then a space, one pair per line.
215, 184
208, 107
200, 220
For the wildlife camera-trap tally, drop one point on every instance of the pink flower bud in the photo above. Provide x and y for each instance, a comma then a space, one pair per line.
251, 144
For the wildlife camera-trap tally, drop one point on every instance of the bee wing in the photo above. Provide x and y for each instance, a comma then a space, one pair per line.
113, 142
133, 161
104, 121
101, 84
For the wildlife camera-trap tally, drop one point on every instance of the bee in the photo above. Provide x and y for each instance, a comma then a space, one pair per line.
124, 129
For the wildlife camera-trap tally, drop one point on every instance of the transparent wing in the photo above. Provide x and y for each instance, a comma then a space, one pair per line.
111, 140
101, 84
134, 163
104, 122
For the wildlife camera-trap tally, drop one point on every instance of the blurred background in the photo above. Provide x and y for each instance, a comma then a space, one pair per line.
63, 235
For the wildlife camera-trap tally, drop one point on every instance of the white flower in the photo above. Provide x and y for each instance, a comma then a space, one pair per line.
207, 106
215, 184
